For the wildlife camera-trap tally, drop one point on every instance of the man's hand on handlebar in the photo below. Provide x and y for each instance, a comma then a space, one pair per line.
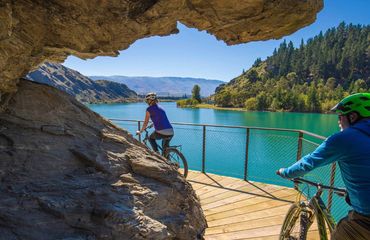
280, 171
138, 132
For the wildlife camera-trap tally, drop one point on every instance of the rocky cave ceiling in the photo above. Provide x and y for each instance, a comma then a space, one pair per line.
32, 32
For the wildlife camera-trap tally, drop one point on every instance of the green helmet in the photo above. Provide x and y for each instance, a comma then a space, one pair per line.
359, 102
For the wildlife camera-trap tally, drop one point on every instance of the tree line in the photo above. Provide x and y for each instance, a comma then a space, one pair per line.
310, 78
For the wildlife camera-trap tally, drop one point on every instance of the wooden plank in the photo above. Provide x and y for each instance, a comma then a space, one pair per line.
192, 175
243, 188
236, 186
226, 205
203, 178
223, 185
237, 209
249, 233
256, 223
206, 181
242, 198
199, 178
250, 216
254, 206
272, 237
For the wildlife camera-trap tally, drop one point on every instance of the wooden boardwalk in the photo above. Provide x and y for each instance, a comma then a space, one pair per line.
237, 209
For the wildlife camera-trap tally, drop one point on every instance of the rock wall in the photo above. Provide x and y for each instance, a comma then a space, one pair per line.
32, 32
66, 173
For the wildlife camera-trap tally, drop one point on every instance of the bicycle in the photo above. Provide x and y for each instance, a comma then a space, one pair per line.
171, 153
302, 214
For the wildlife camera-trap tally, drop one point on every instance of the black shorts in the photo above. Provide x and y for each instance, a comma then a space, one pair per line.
354, 226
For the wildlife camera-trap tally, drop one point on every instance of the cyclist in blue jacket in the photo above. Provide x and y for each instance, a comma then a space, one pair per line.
163, 128
351, 149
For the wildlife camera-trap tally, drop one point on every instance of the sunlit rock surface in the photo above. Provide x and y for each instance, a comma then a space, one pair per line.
32, 32
66, 173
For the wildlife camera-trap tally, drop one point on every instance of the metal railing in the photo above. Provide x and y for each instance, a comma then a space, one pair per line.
250, 153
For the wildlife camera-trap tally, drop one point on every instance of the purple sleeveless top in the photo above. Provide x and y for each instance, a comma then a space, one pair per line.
158, 117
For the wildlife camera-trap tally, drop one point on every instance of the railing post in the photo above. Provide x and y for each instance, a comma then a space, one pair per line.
332, 180
246, 156
204, 150
299, 150
138, 128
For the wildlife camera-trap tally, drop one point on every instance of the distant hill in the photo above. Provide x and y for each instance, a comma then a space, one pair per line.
310, 78
165, 86
80, 86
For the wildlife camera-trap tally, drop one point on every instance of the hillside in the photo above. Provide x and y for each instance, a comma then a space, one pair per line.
165, 86
310, 78
80, 86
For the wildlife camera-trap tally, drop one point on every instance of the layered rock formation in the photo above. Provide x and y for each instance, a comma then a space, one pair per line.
81, 87
66, 173
32, 32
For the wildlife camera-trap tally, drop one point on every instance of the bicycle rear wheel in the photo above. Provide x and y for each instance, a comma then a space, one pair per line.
176, 157
297, 222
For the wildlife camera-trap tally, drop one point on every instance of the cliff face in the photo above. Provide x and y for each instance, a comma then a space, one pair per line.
66, 173
32, 32
81, 87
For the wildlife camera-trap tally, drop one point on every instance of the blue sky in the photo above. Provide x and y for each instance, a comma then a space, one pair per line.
192, 53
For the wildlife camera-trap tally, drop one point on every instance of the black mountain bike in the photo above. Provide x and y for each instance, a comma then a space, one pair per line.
172, 153
301, 214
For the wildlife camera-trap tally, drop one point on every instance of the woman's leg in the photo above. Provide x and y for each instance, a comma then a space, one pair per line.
166, 141
152, 139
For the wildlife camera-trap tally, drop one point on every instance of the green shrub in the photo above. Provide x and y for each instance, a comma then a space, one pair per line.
251, 104
187, 103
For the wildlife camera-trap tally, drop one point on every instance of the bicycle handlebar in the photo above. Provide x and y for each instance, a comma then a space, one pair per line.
148, 127
338, 191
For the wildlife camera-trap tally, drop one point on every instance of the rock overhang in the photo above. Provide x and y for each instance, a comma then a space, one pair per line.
32, 32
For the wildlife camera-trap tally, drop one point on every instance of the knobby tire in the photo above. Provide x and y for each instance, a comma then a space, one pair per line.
175, 156
293, 218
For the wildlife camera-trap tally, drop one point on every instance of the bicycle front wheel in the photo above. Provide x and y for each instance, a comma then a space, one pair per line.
176, 157
297, 222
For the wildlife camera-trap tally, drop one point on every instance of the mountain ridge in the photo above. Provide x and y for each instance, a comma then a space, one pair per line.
81, 87
165, 86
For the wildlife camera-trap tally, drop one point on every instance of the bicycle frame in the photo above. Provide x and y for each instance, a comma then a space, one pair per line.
316, 206
171, 153
146, 138
322, 214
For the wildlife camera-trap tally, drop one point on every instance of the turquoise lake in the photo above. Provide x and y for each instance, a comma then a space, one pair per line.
225, 148
321, 124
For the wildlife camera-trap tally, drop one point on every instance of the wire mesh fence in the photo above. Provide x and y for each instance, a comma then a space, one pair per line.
252, 154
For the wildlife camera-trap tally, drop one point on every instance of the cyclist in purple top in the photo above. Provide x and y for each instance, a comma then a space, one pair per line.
163, 128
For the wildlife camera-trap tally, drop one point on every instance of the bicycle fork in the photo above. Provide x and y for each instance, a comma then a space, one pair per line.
306, 220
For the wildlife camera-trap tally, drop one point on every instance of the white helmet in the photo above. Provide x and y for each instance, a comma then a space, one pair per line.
150, 97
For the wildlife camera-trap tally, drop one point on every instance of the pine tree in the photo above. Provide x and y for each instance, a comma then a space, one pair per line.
196, 93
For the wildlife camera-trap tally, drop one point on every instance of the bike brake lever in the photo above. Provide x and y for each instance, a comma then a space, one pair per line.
341, 194
295, 180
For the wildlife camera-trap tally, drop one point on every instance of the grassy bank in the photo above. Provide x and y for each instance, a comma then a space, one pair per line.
211, 106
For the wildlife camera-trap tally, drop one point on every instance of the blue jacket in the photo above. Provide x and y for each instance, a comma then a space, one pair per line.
351, 148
